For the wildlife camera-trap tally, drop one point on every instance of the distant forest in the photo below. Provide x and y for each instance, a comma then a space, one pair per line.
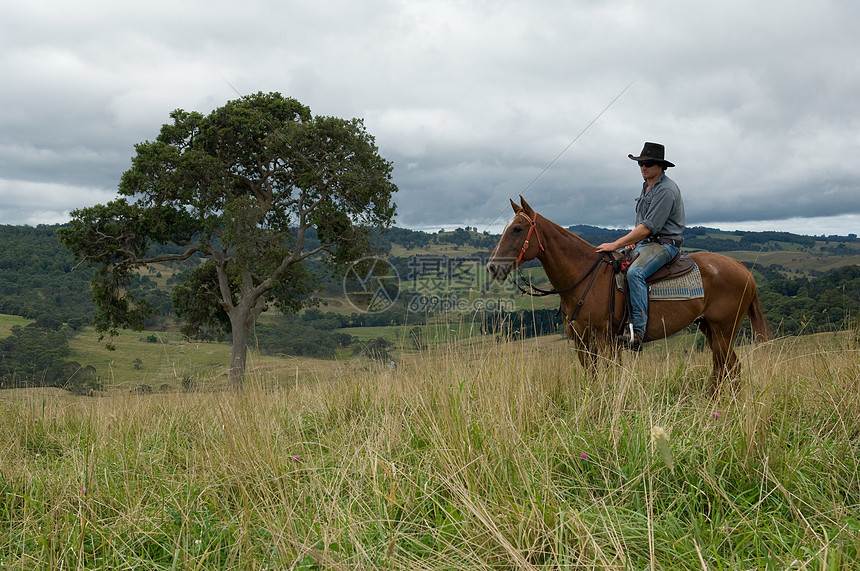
39, 280
713, 240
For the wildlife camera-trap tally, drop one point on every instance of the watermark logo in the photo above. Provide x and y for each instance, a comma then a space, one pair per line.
462, 276
433, 284
371, 285
452, 303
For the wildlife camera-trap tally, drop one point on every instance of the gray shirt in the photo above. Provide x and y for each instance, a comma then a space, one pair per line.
661, 210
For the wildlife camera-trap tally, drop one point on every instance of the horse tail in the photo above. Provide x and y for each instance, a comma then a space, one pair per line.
758, 322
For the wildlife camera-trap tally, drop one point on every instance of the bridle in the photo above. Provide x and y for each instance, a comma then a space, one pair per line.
532, 228
536, 291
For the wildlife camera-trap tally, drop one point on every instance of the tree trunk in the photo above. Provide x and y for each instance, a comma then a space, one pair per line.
241, 330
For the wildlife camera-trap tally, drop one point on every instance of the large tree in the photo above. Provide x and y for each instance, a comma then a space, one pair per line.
246, 194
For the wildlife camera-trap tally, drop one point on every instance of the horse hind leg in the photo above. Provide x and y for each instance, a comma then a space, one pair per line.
723, 357
726, 366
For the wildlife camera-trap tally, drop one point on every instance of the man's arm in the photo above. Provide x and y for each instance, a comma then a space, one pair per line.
639, 233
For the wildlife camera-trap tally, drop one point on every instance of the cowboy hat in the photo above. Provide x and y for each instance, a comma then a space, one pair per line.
652, 152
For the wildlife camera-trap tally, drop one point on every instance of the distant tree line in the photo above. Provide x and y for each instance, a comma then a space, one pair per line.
416, 239
516, 324
39, 277
801, 305
308, 336
36, 356
713, 240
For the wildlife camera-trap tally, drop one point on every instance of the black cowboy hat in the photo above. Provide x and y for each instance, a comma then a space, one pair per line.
652, 152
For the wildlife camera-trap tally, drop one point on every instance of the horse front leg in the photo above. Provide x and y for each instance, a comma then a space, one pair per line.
586, 346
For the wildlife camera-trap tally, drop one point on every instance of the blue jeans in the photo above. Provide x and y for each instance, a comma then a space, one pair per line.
652, 256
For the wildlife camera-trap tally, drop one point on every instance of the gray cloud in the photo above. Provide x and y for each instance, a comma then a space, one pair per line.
471, 101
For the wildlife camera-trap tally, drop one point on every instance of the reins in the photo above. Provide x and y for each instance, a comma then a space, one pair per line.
540, 292
535, 291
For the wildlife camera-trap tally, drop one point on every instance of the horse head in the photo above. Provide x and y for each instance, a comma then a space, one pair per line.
520, 241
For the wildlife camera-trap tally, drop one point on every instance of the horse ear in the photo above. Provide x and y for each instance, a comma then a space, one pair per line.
528, 209
517, 208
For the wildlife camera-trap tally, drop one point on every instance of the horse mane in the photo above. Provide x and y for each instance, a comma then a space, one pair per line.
568, 234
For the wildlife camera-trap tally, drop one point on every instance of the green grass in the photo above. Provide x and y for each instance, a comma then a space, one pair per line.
466, 456
163, 358
7, 322
440, 329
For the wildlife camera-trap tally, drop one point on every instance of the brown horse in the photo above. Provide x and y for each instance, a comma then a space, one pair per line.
593, 319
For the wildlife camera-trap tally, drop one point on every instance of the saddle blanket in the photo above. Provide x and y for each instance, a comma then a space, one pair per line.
687, 286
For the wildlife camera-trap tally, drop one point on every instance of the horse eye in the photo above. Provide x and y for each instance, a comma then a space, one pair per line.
516, 229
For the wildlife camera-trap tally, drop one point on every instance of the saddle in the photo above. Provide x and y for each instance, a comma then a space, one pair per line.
677, 266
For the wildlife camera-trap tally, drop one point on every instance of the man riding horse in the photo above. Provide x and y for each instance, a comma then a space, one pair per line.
717, 300
656, 236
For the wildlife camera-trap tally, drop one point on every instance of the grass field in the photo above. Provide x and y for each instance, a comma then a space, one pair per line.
476, 455
801, 263
163, 361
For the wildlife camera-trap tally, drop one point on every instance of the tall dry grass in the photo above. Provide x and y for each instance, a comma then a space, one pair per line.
483, 455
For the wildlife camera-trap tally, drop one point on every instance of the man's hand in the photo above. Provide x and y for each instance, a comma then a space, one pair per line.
609, 246
629, 241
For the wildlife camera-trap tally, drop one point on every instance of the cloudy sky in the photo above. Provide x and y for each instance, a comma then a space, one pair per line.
473, 101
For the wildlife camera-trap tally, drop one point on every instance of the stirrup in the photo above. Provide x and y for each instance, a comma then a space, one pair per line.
630, 339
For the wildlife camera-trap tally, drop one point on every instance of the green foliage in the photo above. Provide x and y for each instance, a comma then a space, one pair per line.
35, 356
465, 236
812, 305
596, 235
309, 335
521, 323
80, 379
718, 241
712, 239
241, 188
196, 300
405, 238
39, 277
